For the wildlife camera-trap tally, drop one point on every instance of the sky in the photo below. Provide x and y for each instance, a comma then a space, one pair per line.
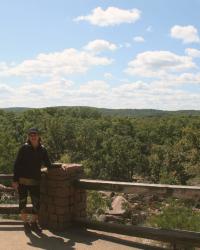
107, 53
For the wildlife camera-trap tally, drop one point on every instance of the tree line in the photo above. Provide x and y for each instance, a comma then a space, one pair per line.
162, 149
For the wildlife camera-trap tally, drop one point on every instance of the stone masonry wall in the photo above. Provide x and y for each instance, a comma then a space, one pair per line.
60, 202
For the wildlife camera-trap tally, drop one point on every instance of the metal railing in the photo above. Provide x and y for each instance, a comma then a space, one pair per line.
180, 237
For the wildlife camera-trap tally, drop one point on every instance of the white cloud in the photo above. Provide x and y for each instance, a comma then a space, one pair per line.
59, 91
53, 88
158, 64
98, 93
190, 78
66, 62
175, 82
5, 90
3, 66
51, 92
93, 88
151, 95
108, 75
185, 78
188, 34
138, 39
111, 16
99, 45
165, 91
130, 89
192, 52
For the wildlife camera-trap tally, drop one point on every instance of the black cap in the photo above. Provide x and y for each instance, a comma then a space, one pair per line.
33, 130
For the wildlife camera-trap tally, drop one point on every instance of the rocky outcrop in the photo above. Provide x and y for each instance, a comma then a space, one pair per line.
118, 206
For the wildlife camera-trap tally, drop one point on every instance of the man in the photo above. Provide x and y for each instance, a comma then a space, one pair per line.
27, 173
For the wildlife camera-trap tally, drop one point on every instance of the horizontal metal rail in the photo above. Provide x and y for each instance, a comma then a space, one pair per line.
8, 222
7, 189
6, 176
179, 191
180, 237
12, 208
186, 238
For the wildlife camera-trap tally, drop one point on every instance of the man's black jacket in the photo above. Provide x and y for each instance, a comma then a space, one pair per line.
29, 161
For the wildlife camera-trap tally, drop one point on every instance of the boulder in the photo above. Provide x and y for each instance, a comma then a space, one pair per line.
118, 206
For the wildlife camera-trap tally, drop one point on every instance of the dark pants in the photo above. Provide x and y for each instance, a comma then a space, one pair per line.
34, 193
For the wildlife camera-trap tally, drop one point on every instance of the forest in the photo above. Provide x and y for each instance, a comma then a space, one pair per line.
110, 145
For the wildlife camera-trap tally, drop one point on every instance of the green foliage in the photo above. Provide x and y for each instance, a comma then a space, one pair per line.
177, 216
161, 148
65, 158
96, 204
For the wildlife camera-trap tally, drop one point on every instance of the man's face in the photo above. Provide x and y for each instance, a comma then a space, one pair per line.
34, 138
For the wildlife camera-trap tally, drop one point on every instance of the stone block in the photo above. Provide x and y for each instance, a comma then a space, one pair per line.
52, 225
52, 191
53, 217
61, 219
83, 197
50, 199
70, 200
62, 192
43, 189
62, 210
51, 209
43, 208
61, 202
83, 214
81, 206
67, 217
44, 199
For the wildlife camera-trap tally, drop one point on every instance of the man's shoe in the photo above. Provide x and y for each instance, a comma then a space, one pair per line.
27, 228
35, 227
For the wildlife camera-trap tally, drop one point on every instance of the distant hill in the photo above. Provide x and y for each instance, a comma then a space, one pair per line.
148, 112
16, 109
120, 112
132, 112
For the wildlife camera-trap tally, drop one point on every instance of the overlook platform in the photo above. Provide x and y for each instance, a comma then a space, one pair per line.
13, 237
63, 203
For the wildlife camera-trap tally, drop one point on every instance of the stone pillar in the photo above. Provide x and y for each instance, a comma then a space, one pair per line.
60, 201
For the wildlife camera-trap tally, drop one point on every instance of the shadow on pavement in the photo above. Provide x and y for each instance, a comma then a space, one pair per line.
46, 242
68, 239
85, 237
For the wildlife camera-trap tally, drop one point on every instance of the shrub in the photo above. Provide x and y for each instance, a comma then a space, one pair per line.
96, 204
177, 216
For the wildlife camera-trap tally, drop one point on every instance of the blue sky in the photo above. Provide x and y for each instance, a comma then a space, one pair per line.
114, 54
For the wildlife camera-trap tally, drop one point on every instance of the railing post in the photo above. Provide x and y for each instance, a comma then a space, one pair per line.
61, 202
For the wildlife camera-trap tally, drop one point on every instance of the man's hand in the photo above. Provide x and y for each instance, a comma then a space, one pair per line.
15, 185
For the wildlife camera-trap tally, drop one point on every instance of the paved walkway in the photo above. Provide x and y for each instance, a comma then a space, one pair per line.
13, 237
